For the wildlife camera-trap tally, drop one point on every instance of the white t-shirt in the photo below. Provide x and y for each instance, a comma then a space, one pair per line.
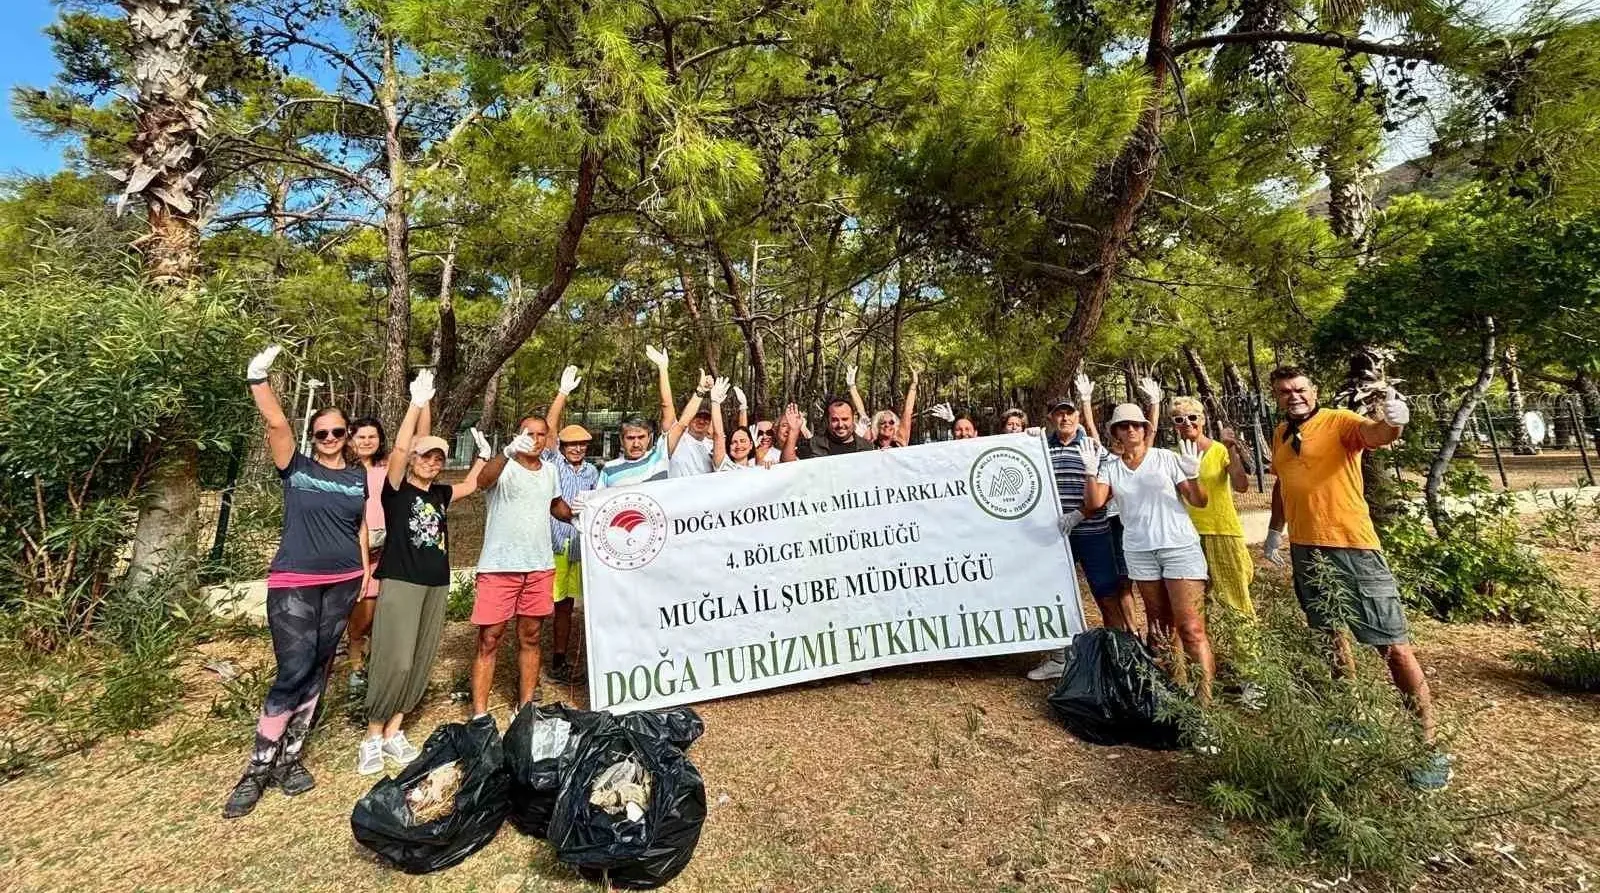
1153, 516
730, 465
690, 457
516, 534
771, 457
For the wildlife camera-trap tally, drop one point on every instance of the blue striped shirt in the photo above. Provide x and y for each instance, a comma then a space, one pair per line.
573, 481
1070, 475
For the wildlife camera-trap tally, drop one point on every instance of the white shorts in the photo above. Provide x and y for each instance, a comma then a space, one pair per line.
1179, 563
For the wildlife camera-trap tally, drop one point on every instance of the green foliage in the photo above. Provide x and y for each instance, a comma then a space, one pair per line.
458, 608
1321, 766
1567, 655
1479, 569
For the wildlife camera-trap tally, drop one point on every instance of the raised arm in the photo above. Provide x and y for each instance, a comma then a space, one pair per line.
663, 386
909, 409
569, 383
469, 486
855, 395
744, 410
1095, 493
1152, 410
791, 415
490, 472
719, 444
400, 456
280, 437
1393, 417
1238, 475
690, 407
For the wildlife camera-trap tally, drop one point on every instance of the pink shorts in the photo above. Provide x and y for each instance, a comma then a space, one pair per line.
502, 596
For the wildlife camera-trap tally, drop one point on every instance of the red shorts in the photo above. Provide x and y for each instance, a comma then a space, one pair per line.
502, 596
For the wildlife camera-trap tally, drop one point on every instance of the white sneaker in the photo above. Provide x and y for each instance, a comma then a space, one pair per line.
400, 750
369, 760
1050, 668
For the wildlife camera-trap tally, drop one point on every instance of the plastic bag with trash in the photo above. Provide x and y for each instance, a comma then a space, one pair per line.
534, 743
632, 804
1113, 693
443, 807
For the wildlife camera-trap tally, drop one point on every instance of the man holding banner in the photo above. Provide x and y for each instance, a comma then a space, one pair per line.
819, 569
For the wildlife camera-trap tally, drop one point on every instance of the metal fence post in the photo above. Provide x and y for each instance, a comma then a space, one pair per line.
219, 540
1494, 444
1580, 435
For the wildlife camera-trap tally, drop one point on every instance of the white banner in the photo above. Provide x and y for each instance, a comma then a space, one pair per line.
705, 587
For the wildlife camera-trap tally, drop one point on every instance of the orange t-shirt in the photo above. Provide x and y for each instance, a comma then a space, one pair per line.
1321, 485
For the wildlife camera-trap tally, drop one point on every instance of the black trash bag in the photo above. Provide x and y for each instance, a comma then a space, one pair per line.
536, 782
678, 726
1113, 693
633, 855
382, 820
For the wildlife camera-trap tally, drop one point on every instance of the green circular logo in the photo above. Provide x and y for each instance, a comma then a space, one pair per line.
1005, 483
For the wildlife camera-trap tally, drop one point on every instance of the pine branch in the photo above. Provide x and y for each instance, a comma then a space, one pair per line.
1322, 39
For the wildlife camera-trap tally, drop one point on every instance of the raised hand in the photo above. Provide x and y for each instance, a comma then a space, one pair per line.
261, 363
942, 411
1085, 386
719, 391
484, 452
850, 377
422, 388
1090, 456
657, 356
1396, 413
791, 414
1189, 458
569, 380
738, 394
705, 384
1230, 438
522, 443
1150, 390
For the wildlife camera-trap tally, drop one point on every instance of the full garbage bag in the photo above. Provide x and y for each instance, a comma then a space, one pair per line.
632, 804
534, 744
1113, 692
393, 819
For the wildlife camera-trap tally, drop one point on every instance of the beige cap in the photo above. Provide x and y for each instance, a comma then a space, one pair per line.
573, 434
425, 445
1125, 413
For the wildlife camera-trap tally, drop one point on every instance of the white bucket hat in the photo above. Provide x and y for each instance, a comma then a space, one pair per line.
1128, 412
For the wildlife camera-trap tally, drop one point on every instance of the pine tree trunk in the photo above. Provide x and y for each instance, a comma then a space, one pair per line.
1458, 427
747, 328
397, 248
446, 340
1521, 441
1589, 419
704, 327
488, 416
1208, 391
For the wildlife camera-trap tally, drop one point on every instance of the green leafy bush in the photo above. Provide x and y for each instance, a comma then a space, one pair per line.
463, 590
1568, 651
1321, 765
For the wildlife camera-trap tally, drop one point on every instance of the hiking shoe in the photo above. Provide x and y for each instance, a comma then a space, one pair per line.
293, 778
1051, 667
1433, 775
400, 750
244, 796
560, 672
369, 758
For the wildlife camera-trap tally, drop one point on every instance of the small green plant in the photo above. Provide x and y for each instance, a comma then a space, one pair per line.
1568, 652
1564, 524
459, 606
1322, 765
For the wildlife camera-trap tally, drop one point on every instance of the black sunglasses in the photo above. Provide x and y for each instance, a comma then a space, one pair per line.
763, 432
328, 433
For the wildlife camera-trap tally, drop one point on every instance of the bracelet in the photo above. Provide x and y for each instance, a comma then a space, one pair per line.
700, 392
255, 381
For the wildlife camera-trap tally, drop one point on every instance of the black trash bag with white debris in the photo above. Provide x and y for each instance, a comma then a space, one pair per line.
632, 804
1114, 693
534, 743
392, 821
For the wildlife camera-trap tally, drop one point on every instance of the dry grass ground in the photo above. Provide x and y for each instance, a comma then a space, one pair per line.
941, 777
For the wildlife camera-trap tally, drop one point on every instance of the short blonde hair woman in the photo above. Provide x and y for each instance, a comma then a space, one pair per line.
1222, 473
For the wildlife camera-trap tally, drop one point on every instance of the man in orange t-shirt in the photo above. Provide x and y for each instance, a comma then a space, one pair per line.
1340, 576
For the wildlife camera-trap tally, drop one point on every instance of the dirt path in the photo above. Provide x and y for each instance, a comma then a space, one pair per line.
943, 777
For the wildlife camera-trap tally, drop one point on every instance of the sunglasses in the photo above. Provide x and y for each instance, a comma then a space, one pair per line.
1191, 419
763, 432
328, 433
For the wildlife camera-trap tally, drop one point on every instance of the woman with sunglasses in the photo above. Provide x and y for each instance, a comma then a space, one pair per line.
1222, 473
321, 567
415, 572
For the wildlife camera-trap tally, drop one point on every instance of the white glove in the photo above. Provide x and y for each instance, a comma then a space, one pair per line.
1066, 522
719, 391
261, 363
738, 394
1090, 454
1151, 391
850, 377
659, 357
422, 388
943, 411
577, 502
1396, 413
522, 443
1273, 547
1085, 387
484, 452
1189, 458
569, 380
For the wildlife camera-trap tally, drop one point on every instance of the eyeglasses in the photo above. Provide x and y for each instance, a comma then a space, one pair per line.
1191, 419
328, 433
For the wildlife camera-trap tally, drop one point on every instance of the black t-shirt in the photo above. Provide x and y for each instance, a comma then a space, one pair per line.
416, 547
823, 445
322, 512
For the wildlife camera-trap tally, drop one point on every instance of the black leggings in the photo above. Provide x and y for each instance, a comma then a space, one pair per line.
306, 623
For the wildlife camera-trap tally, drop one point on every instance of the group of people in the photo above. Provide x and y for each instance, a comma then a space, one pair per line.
365, 536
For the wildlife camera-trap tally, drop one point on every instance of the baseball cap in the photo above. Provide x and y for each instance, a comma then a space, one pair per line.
703, 411
1063, 403
425, 445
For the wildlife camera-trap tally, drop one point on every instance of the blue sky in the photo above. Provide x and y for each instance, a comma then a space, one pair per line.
25, 59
